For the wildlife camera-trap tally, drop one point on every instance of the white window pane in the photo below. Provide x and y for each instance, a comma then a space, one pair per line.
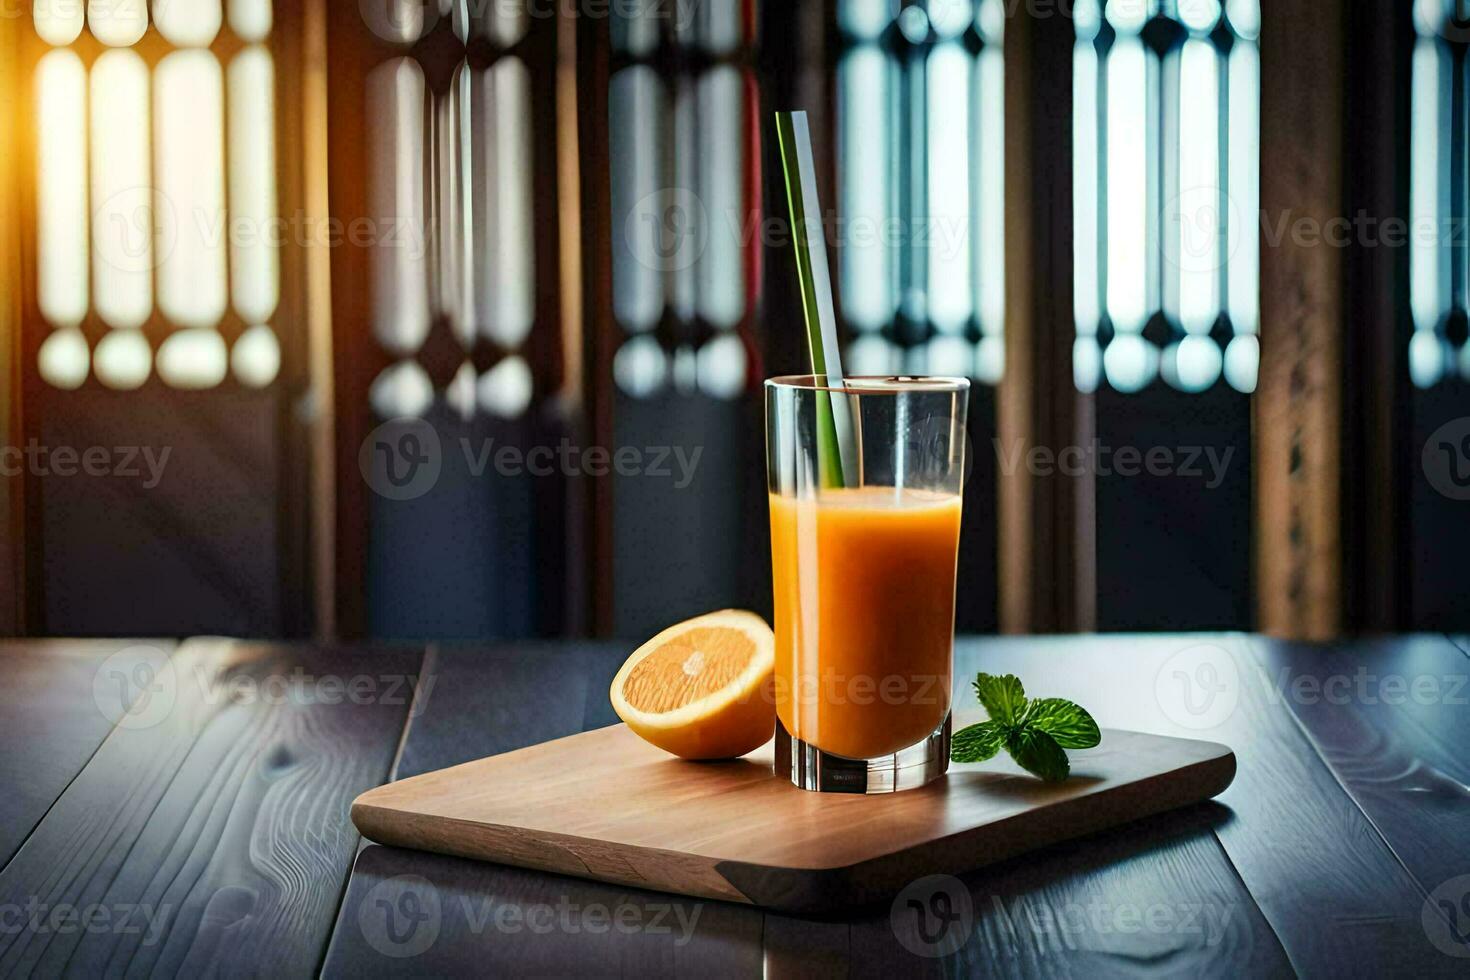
123, 360
403, 390
865, 183
193, 359
189, 154
1195, 225
865, 19
188, 23
502, 24
720, 296
61, 168
58, 22
254, 260
454, 140
1429, 280
1244, 251
506, 389
63, 360
119, 23
721, 30
637, 103
256, 357
990, 192
251, 20
1085, 169
1127, 183
640, 367
122, 190
948, 236
721, 366
503, 259
396, 197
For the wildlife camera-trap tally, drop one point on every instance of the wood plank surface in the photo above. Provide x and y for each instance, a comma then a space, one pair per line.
483, 702
1333, 891
1391, 718
57, 705
207, 835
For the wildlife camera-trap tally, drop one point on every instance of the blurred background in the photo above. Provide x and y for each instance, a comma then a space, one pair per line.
281, 280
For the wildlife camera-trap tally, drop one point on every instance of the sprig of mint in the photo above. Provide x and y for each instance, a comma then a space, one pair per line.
1035, 733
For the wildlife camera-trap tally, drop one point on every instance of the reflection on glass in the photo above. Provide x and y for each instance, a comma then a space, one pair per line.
61, 169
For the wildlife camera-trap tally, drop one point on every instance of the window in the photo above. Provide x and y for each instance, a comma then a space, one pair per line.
1439, 278
156, 194
921, 188
1166, 136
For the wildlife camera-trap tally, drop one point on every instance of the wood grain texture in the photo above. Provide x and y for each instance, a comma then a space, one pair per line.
482, 702
57, 703
1391, 718
213, 835
1299, 397
608, 806
1334, 893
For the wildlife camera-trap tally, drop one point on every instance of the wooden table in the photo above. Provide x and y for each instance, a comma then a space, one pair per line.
207, 832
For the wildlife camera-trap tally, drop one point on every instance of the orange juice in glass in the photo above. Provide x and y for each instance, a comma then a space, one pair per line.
864, 549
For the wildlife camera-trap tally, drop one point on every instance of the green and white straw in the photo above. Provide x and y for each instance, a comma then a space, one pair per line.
837, 439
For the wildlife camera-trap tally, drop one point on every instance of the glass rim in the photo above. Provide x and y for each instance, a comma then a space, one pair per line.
872, 384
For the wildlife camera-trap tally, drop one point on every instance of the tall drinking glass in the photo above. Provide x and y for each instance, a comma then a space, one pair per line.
865, 483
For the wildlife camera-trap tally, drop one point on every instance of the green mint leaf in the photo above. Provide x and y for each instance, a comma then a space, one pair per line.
1037, 752
1003, 698
1067, 723
977, 743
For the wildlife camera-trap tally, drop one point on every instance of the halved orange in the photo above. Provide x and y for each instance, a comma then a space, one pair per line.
702, 689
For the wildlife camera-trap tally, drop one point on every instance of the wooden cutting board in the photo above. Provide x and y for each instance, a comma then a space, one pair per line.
608, 806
